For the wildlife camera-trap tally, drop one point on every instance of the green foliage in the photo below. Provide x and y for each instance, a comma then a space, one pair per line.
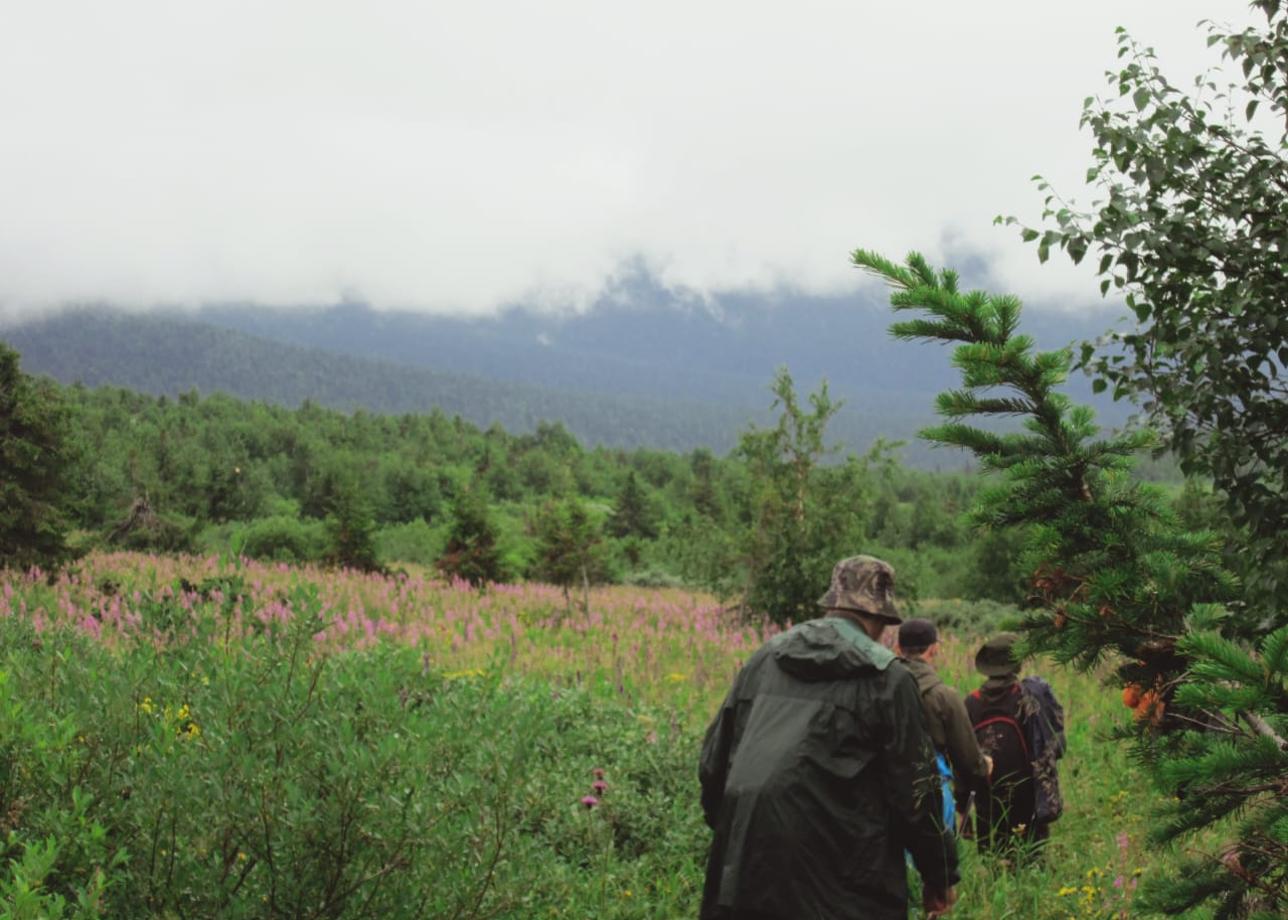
1112, 572
803, 518
1190, 225
35, 455
570, 547
410, 492
144, 530
415, 541
257, 778
471, 553
974, 620
633, 516
703, 553
351, 529
283, 538
196, 462
459, 731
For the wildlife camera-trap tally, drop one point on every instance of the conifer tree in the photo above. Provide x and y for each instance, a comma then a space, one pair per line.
704, 494
633, 517
351, 529
1114, 576
35, 463
569, 547
471, 553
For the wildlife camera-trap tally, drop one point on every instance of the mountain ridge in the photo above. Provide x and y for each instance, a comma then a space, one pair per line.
651, 375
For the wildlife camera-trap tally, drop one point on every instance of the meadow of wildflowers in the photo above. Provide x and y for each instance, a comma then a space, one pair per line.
205, 737
656, 645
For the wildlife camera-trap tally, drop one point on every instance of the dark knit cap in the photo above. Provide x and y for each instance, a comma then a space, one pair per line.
917, 633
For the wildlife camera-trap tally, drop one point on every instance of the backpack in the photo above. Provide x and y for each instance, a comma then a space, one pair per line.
1001, 736
1046, 741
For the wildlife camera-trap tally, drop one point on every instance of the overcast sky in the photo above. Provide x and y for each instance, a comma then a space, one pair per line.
458, 156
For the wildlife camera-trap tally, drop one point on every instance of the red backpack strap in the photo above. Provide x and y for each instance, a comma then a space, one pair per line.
991, 720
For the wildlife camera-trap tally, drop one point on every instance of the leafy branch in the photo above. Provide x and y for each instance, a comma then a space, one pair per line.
1114, 574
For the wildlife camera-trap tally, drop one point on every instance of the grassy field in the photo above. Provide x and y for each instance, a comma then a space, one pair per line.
194, 737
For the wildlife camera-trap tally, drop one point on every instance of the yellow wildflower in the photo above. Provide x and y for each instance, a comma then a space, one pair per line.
1065, 891
675, 677
146, 706
468, 672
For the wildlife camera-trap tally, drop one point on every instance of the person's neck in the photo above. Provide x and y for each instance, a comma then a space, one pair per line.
869, 626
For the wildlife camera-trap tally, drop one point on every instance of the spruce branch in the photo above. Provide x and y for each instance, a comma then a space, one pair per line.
1115, 575
1263, 728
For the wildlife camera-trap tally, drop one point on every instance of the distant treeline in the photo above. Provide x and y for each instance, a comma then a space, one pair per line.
209, 473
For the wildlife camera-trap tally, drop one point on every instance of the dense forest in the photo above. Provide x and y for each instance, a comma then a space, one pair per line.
215, 473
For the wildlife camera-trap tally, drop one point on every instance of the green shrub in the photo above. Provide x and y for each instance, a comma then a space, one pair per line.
652, 578
256, 777
969, 619
284, 539
415, 542
156, 532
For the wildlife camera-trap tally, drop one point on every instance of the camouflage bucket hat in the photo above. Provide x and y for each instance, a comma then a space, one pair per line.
996, 657
864, 584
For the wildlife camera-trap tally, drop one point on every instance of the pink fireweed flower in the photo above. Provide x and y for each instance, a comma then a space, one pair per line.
589, 801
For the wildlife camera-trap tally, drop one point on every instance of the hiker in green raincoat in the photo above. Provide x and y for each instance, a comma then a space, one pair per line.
818, 772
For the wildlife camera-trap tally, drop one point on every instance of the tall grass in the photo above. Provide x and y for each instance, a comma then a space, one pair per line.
191, 737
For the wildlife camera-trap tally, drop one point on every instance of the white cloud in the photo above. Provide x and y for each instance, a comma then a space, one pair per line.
456, 157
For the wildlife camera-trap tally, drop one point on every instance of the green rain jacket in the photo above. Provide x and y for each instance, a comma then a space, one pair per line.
817, 774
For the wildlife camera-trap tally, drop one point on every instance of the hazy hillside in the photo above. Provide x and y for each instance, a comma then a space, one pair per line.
642, 341
651, 373
157, 354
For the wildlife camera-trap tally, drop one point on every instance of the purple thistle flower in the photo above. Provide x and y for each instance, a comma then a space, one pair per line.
599, 786
589, 801
598, 772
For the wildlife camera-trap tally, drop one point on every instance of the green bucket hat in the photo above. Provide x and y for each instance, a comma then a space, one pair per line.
864, 584
996, 657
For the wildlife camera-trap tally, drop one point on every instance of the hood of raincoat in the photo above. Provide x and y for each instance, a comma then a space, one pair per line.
831, 648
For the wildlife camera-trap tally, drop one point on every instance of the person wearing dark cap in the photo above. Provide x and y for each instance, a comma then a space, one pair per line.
957, 751
1020, 724
818, 772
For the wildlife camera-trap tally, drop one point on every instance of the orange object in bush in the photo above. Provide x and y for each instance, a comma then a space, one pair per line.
1150, 707
1131, 696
